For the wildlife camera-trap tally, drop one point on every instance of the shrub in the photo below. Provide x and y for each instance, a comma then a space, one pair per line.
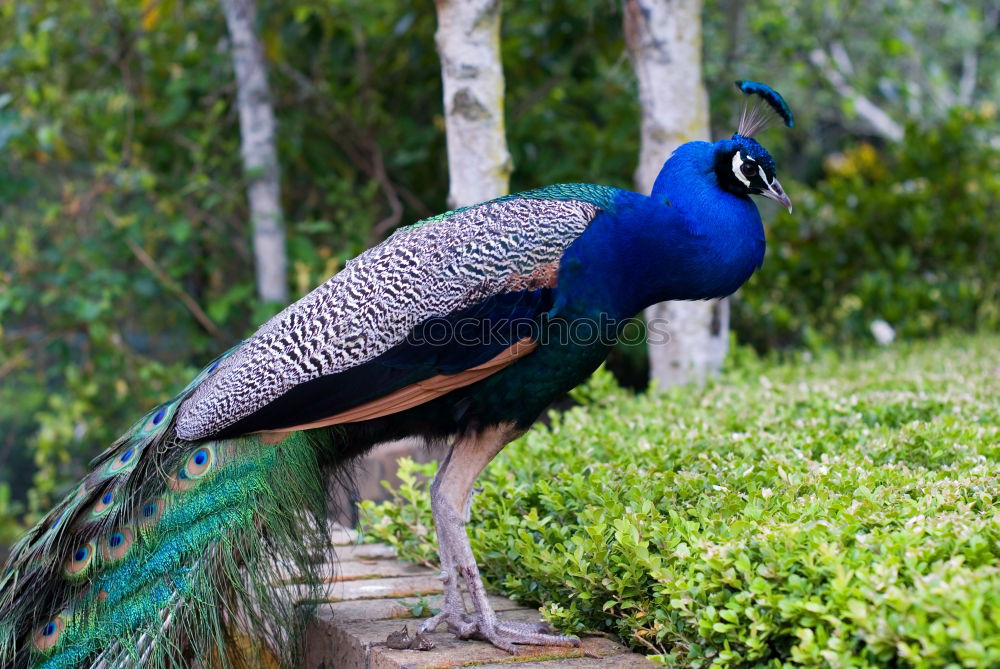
906, 234
845, 513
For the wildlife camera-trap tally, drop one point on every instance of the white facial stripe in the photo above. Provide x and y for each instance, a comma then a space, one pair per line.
763, 177
737, 164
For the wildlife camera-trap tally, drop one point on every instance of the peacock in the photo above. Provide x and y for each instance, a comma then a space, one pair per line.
459, 329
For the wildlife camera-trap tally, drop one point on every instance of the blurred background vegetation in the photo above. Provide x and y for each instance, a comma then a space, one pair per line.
124, 246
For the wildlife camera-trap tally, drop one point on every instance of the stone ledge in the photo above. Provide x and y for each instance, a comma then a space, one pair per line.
367, 638
370, 595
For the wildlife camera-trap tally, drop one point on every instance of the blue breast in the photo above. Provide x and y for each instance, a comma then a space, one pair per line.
690, 240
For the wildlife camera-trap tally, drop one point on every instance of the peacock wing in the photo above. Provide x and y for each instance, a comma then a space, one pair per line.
360, 337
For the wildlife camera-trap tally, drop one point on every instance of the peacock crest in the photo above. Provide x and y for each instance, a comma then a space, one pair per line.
763, 106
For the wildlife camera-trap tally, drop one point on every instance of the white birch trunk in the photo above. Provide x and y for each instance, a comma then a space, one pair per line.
260, 159
468, 41
664, 41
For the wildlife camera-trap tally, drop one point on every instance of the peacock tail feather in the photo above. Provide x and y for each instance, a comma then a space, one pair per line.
169, 548
109, 577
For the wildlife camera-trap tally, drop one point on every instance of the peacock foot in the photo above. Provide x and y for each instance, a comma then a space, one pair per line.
506, 634
503, 634
451, 496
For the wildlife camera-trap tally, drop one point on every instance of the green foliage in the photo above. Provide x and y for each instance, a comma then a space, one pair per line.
421, 608
906, 234
407, 528
842, 513
122, 201
121, 194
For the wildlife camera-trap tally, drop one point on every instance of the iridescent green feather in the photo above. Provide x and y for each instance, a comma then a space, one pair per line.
599, 196
166, 551
216, 544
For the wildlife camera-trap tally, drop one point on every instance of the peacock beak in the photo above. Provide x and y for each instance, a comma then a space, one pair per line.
777, 193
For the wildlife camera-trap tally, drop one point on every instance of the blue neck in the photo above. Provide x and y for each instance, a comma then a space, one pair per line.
689, 240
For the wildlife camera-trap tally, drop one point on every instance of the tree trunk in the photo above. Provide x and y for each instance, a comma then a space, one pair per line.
260, 159
468, 41
664, 41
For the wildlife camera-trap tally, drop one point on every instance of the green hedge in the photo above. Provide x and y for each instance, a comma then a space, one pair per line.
840, 513
907, 234
119, 139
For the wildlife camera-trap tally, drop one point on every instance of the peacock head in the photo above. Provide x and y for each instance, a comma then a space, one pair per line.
742, 165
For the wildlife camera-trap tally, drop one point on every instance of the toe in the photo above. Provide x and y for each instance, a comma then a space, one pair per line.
527, 634
499, 641
432, 623
465, 628
528, 628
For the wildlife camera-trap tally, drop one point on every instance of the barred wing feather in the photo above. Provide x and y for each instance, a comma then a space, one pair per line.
368, 310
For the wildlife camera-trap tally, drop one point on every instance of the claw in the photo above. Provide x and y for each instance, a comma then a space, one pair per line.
431, 623
505, 635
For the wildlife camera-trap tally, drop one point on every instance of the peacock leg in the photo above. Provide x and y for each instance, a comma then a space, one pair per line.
453, 607
451, 499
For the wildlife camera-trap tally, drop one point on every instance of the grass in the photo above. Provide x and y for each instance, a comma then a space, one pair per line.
838, 512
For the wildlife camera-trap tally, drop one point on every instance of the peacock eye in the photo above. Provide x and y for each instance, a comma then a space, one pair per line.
749, 169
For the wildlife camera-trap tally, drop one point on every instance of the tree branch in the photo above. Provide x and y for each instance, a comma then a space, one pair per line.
380, 229
881, 122
174, 287
11, 363
374, 168
967, 83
